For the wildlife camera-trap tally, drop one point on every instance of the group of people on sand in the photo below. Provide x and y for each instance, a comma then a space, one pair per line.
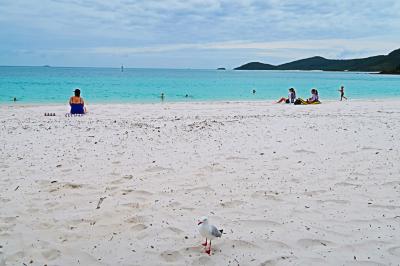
292, 98
78, 105
314, 99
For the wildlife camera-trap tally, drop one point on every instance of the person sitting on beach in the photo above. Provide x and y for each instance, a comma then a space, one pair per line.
314, 97
291, 97
77, 104
312, 100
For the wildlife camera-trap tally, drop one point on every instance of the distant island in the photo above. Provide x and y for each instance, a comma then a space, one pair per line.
385, 64
221, 68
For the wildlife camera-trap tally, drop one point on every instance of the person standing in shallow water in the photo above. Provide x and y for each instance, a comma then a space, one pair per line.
342, 93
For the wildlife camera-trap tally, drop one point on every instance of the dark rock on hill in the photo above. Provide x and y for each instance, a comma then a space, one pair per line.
256, 66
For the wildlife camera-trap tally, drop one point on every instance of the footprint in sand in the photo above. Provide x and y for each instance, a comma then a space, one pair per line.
203, 260
187, 208
7, 223
275, 245
232, 203
199, 189
346, 184
51, 254
394, 251
392, 183
314, 243
117, 181
388, 207
175, 230
158, 169
314, 192
4, 200
50, 205
128, 177
367, 148
142, 193
257, 223
265, 195
348, 152
280, 260
138, 228
236, 158
10, 219
334, 201
304, 151
136, 220
174, 204
72, 186
132, 205
17, 256
171, 256
237, 244
112, 188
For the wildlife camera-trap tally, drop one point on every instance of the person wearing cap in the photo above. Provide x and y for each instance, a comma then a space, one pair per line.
77, 104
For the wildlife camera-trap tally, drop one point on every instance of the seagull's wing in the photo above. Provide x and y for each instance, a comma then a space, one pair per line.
214, 231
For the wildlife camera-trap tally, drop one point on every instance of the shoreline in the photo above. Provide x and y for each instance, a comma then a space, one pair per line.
272, 101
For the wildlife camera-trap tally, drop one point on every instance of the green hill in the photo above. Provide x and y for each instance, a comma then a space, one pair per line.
370, 64
256, 66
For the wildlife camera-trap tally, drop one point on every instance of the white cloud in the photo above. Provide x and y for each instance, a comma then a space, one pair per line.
266, 28
330, 47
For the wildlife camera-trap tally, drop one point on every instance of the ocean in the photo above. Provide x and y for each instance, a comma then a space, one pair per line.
105, 85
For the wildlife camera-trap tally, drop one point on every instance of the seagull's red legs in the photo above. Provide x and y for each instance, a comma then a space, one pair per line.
205, 244
208, 251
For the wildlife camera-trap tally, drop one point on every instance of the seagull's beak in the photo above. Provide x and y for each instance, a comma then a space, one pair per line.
199, 223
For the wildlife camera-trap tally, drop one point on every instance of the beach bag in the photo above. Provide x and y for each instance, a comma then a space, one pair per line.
297, 102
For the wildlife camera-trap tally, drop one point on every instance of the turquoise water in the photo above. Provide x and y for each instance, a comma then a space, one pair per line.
55, 84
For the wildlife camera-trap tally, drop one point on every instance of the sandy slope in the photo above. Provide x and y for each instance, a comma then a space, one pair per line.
290, 185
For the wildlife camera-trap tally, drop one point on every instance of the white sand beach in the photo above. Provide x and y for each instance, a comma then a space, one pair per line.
127, 183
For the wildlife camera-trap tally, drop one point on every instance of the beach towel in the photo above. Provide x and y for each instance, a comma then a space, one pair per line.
300, 101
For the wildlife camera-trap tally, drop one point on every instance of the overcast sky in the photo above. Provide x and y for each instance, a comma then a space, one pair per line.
193, 33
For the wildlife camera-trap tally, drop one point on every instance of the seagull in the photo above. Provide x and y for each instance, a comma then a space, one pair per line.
209, 232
